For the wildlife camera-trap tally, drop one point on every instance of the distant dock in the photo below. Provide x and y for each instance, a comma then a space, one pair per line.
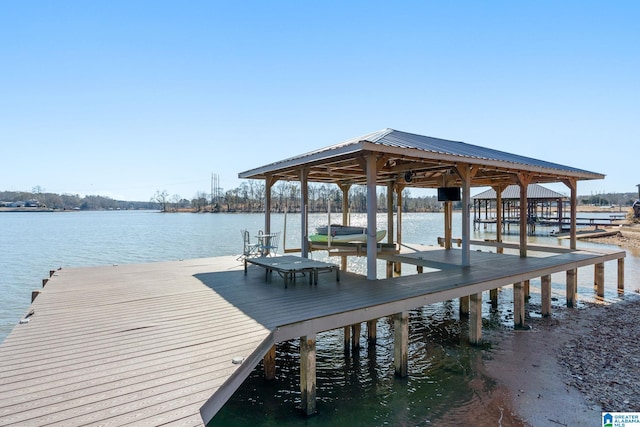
170, 342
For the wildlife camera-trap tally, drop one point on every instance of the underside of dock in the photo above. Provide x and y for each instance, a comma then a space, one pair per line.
170, 342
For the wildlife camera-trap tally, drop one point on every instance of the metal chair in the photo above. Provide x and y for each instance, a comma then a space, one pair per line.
248, 249
270, 246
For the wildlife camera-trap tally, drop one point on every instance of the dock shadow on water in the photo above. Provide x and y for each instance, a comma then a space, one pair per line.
446, 385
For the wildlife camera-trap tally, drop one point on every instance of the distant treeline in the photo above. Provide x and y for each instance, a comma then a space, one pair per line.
250, 197
70, 202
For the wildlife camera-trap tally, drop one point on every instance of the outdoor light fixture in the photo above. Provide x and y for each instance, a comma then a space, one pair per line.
408, 176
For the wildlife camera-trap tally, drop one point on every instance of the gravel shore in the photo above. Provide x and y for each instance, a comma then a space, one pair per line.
603, 362
566, 370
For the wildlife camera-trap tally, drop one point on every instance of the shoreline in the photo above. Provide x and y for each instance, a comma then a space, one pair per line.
567, 369
564, 369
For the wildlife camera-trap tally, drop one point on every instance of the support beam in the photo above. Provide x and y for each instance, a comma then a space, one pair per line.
572, 283
391, 235
269, 183
464, 306
345, 218
401, 343
599, 279
269, 363
545, 284
466, 173
390, 224
493, 296
356, 328
372, 204
518, 305
304, 213
35, 294
372, 333
573, 186
399, 190
347, 339
448, 224
620, 275
308, 374
499, 189
523, 181
475, 319
574, 216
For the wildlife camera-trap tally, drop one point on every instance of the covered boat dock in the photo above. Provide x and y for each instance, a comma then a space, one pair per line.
169, 343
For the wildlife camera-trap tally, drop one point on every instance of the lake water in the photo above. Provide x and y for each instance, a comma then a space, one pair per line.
355, 389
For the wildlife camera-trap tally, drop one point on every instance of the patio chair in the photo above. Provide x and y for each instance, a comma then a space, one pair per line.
248, 249
270, 247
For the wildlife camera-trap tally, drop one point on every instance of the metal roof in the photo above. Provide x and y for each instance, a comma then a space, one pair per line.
431, 162
534, 191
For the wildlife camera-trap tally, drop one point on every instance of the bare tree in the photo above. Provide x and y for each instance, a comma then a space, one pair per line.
175, 199
162, 198
200, 201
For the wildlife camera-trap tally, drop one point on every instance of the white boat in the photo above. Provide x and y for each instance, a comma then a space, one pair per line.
343, 234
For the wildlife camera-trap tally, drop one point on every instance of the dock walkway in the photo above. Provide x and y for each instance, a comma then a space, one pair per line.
155, 344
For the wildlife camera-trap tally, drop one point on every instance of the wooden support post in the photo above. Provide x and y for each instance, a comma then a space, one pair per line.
599, 279
35, 294
389, 269
518, 305
372, 334
448, 221
475, 319
355, 337
269, 363
419, 269
572, 280
464, 306
372, 203
397, 268
545, 284
620, 275
523, 181
304, 213
345, 218
493, 295
527, 290
499, 215
399, 188
44, 282
347, 338
573, 186
401, 343
308, 374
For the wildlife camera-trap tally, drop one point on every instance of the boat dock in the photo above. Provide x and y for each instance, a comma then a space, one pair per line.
170, 342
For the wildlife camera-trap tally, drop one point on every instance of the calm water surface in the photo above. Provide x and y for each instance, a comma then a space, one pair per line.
353, 389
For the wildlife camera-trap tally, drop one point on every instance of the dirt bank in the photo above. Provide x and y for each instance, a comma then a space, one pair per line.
627, 237
567, 369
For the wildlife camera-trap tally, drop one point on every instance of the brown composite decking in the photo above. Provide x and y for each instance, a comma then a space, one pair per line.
153, 344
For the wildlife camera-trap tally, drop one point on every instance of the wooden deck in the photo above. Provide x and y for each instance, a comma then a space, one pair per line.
153, 344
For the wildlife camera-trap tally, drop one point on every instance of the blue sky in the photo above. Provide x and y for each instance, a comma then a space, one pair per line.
126, 98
